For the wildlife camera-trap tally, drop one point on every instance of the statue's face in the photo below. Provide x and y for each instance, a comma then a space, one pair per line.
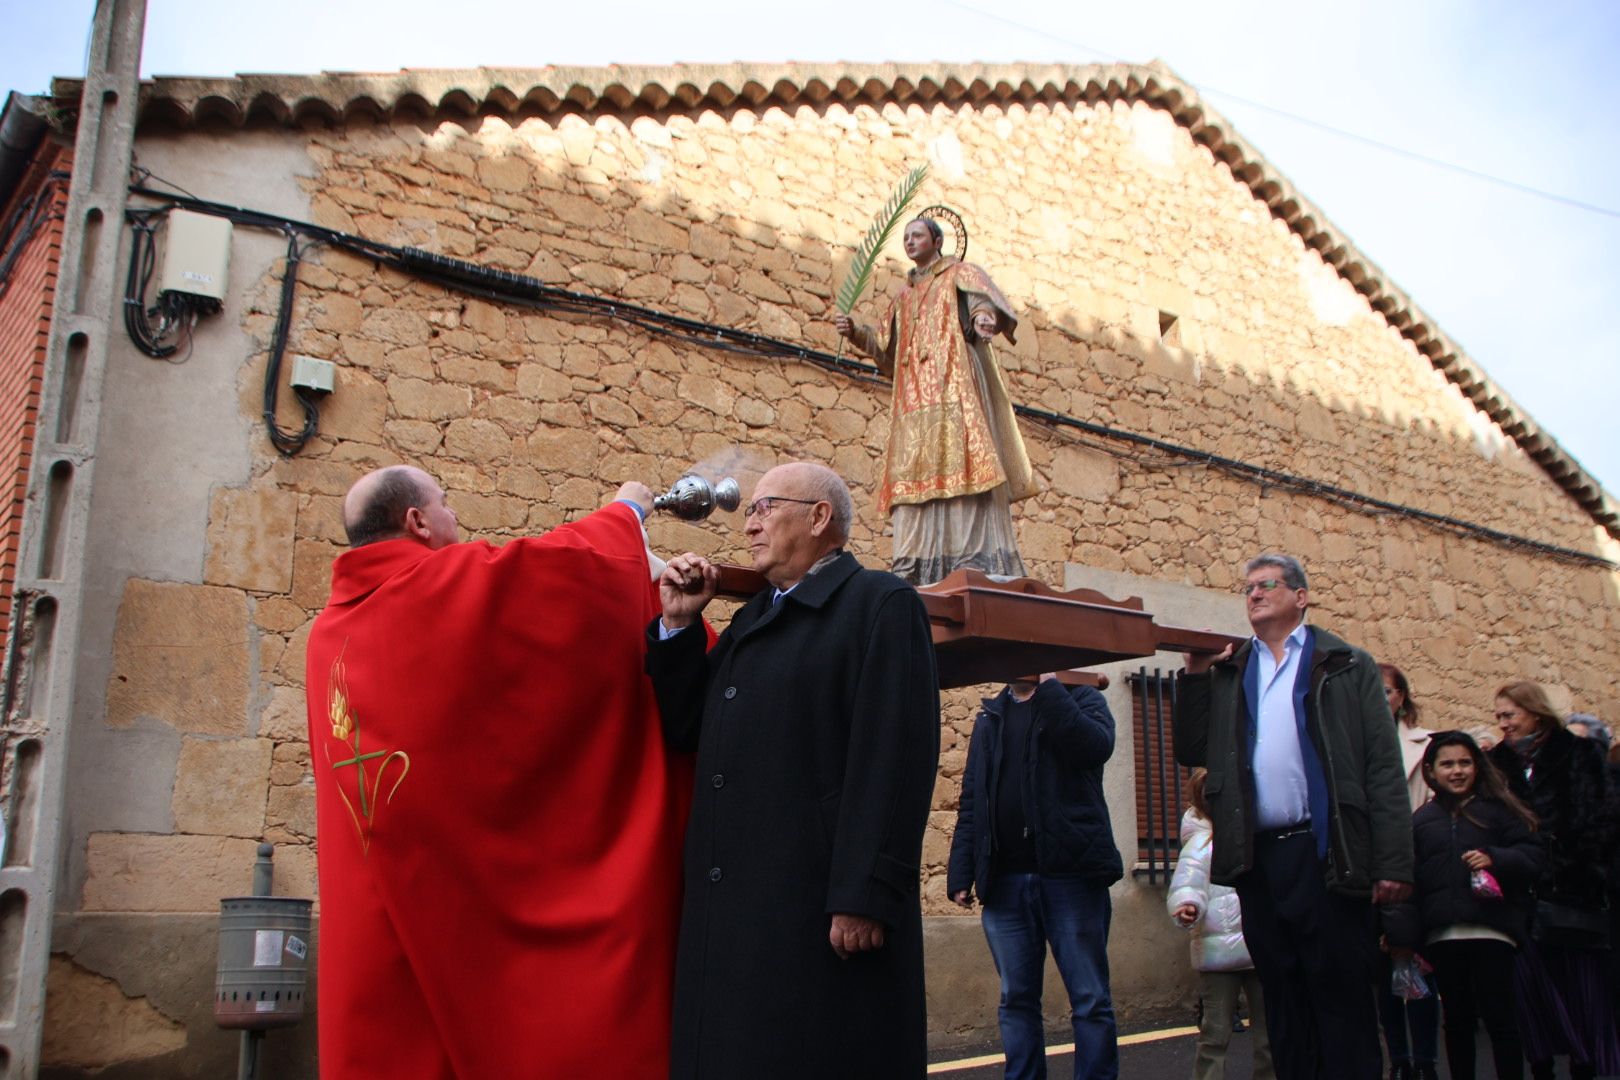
920, 246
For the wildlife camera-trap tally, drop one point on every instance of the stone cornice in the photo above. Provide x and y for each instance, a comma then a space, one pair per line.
336, 98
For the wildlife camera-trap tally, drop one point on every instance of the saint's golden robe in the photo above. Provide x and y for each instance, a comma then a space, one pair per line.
952, 432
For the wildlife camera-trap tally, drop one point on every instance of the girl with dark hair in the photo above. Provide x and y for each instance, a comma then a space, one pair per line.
1477, 858
1411, 1028
1565, 1008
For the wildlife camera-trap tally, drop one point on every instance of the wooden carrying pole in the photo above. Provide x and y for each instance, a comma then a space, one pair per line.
994, 631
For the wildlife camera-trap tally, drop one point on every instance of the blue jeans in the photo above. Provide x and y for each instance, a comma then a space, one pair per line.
1021, 914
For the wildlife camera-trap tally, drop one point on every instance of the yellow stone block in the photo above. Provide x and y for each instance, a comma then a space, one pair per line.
250, 537
180, 656
91, 1023
219, 786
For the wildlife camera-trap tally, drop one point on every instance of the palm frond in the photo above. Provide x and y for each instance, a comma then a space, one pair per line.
882, 228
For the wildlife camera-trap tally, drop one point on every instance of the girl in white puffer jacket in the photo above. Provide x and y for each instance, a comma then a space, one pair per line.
1213, 915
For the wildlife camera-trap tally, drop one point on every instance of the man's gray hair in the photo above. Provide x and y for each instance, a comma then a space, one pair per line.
1596, 729
1293, 574
828, 486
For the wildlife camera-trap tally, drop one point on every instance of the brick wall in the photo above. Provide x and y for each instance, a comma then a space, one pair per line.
25, 313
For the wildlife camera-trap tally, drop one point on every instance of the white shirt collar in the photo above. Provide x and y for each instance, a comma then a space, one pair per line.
1295, 640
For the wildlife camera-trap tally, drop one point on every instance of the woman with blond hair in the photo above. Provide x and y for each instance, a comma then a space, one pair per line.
1564, 1006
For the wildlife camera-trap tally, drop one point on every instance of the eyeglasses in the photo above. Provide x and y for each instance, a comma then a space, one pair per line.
1249, 588
763, 506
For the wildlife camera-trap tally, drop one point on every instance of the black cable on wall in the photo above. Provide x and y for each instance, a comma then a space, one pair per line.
502, 286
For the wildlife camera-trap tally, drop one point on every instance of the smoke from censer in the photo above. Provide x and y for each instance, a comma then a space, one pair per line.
747, 466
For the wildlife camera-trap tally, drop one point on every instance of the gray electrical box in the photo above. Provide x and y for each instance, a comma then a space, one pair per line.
196, 253
313, 374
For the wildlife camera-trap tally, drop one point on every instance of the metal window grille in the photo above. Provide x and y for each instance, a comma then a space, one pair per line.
1159, 779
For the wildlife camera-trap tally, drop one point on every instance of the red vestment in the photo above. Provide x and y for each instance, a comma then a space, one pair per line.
499, 821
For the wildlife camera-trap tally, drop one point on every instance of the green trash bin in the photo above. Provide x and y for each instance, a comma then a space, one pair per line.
263, 961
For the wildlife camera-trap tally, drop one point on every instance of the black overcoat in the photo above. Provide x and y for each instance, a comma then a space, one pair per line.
816, 724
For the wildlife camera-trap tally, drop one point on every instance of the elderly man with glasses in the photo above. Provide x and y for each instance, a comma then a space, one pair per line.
816, 723
1310, 816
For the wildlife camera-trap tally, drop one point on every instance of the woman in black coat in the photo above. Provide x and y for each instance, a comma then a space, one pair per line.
1612, 818
1477, 857
1564, 1006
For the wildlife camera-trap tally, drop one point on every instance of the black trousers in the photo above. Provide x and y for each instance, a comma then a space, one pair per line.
1313, 950
1476, 983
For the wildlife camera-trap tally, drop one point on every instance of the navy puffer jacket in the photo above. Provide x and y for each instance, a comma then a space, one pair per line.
1443, 895
1073, 737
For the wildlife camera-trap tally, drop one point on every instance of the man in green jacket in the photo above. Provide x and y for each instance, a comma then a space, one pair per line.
1311, 822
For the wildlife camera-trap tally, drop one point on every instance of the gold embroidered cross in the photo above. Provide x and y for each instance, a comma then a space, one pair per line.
346, 729
359, 762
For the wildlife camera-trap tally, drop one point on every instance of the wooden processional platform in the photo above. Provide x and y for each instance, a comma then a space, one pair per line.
988, 631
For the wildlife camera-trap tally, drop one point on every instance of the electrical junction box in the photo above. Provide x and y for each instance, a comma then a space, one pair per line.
313, 374
196, 252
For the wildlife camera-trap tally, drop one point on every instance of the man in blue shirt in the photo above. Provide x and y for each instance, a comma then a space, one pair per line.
1309, 813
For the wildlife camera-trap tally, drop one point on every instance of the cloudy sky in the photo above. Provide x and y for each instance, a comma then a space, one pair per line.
1468, 147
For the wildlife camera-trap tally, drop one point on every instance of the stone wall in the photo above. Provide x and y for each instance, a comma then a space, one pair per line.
1156, 295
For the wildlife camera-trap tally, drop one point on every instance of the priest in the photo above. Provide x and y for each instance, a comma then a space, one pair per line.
499, 818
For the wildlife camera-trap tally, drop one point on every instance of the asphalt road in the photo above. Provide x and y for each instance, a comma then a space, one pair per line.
1162, 1054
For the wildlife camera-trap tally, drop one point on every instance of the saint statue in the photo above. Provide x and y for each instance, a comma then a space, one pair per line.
956, 461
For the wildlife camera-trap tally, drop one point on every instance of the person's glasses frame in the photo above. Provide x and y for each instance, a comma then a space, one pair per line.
766, 503
1250, 587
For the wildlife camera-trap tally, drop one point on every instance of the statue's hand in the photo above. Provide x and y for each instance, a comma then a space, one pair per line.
845, 326
985, 324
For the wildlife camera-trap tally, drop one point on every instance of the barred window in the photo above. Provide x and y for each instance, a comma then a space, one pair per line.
1159, 780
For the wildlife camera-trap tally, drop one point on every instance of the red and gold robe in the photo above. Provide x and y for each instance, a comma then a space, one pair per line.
499, 821
952, 431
